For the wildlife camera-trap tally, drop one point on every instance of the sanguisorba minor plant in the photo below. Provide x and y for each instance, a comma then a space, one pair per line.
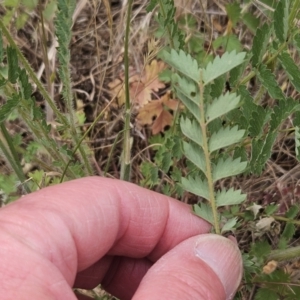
16, 78
231, 133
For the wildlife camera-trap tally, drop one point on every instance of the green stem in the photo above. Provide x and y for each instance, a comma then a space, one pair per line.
208, 172
125, 160
10, 154
284, 254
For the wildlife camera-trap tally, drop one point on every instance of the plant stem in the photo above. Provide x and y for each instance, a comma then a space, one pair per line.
125, 159
8, 149
208, 172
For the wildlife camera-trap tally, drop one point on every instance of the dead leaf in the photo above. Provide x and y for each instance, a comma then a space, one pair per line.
140, 87
156, 113
255, 208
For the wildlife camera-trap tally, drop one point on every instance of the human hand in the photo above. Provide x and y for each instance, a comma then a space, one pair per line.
138, 244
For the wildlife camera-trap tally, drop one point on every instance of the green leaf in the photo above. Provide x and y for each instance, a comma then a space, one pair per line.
289, 231
281, 20
260, 249
225, 137
222, 106
291, 69
204, 211
222, 65
13, 68
228, 167
261, 152
271, 209
7, 108
297, 41
233, 11
229, 225
268, 80
187, 87
190, 105
260, 42
292, 212
229, 43
251, 21
196, 186
282, 111
25, 85
217, 88
195, 155
183, 63
265, 293
230, 197
192, 130
257, 121
151, 5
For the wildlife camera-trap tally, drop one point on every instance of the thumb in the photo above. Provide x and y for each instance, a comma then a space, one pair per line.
203, 267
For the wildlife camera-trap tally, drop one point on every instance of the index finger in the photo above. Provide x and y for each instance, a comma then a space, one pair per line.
76, 223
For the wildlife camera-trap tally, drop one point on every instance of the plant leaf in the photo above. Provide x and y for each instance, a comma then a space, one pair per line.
190, 105
13, 68
292, 212
195, 154
228, 167
225, 137
261, 152
229, 225
8, 107
183, 63
222, 65
257, 121
281, 20
230, 197
204, 211
187, 87
192, 130
196, 186
233, 11
222, 106
291, 69
282, 111
260, 43
267, 79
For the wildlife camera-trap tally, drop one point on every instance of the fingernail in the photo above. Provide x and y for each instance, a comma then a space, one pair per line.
224, 257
